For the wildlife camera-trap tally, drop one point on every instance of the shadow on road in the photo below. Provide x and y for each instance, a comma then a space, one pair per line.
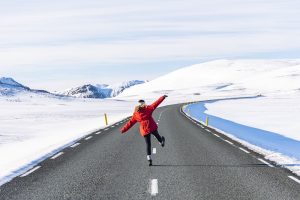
215, 166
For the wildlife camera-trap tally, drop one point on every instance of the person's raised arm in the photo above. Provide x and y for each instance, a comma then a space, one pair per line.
157, 102
128, 125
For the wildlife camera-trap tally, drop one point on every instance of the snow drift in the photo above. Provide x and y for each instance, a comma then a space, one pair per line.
224, 78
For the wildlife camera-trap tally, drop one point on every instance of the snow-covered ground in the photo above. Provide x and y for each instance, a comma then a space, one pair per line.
225, 78
34, 125
267, 123
270, 125
278, 114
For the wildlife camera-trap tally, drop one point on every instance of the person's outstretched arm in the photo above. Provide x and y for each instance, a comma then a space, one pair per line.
128, 125
157, 102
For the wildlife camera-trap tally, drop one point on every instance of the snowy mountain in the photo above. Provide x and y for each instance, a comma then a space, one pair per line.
10, 87
9, 82
118, 89
100, 90
223, 78
85, 91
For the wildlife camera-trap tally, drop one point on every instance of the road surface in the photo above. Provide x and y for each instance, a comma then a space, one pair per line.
196, 163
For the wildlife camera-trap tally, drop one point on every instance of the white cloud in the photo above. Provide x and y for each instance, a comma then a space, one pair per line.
60, 34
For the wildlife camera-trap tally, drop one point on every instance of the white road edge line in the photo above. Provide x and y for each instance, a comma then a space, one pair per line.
154, 187
216, 135
75, 145
154, 150
57, 155
244, 150
263, 161
228, 142
88, 138
294, 179
30, 171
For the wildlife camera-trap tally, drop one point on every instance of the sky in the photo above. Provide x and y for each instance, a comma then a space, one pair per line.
59, 44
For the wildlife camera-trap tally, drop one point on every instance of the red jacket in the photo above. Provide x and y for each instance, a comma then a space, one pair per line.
144, 116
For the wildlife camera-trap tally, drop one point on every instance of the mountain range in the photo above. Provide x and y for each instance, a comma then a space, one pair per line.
100, 90
10, 87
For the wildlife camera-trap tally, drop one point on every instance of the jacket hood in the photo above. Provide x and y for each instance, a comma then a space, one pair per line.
139, 108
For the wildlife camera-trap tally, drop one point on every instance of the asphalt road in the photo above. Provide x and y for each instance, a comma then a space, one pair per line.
194, 164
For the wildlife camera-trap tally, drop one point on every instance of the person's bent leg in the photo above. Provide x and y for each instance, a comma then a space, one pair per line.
161, 139
158, 137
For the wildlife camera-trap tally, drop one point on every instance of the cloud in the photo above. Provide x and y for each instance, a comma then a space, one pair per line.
62, 34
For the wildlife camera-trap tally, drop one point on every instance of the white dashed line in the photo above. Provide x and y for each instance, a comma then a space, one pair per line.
216, 135
98, 133
208, 130
228, 142
30, 171
244, 150
294, 179
112, 126
88, 138
265, 162
57, 155
106, 129
154, 150
75, 145
157, 123
154, 187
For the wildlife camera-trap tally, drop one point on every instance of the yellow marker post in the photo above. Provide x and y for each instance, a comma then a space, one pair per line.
106, 120
207, 120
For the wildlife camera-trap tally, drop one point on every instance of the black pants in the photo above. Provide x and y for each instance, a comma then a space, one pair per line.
148, 140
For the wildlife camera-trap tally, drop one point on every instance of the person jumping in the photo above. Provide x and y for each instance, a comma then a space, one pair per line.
148, 127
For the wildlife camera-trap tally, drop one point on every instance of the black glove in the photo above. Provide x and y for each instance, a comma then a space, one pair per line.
165, 96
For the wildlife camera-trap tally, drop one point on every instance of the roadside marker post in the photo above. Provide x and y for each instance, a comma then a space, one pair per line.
106, 119
207, 121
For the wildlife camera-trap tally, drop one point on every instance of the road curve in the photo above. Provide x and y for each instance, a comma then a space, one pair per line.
196, 163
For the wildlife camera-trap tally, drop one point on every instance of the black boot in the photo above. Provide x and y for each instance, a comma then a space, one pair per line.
149, 160
163, 141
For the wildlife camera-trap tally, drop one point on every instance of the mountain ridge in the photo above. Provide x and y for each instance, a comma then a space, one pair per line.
100, 90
